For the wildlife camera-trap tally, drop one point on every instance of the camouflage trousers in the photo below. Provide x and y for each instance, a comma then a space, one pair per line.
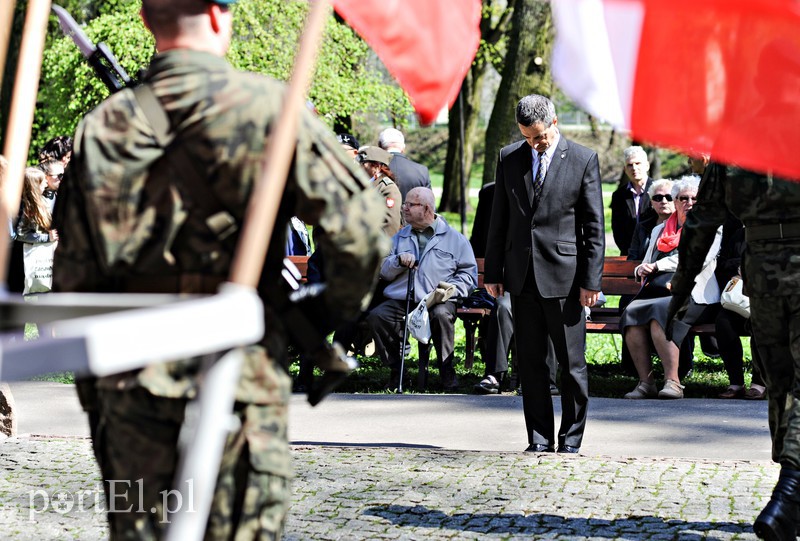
776, 330
136, 447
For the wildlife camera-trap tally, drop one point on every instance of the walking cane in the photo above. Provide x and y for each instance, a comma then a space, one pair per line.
409, 300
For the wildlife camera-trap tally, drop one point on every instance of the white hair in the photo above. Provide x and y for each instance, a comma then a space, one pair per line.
658, 184
391, 138
630, 152
687, 182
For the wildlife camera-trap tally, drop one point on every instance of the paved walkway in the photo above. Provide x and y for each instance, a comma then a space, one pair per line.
444, 467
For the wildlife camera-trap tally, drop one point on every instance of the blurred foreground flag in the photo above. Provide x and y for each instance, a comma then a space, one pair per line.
427, 45
714, 76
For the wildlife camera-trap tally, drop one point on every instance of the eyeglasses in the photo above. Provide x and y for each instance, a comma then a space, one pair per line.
685, 198
659, 197
409, 205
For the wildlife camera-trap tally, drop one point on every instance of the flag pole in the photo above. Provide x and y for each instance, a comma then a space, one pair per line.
6, 21
262, 210
20, 118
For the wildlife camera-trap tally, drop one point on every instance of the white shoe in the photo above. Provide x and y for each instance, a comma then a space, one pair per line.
643, 390
672, 389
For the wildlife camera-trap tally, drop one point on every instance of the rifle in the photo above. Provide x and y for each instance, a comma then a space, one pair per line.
99, 56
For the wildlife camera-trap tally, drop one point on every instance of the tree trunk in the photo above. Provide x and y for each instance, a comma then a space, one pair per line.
526, 71
454, 168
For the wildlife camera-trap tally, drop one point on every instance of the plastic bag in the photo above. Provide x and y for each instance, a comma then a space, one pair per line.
419, 322
38, 261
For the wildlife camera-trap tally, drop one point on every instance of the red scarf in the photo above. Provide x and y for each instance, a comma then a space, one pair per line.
670, 236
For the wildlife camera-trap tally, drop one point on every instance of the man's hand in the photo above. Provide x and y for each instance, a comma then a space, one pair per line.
406, 260
495, 290
588, 297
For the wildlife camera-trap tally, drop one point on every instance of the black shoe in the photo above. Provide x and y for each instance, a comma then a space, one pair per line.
488, 385
554, 391
568, 449
779, 519
539, 448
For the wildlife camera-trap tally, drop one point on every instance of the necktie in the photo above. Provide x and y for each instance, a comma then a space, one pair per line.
538, 182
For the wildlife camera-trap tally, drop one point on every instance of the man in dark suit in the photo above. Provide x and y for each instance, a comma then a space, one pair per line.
408, 174
545, 247
630, 203
500, 325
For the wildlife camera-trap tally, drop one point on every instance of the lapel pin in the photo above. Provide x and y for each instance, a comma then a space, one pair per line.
563, 155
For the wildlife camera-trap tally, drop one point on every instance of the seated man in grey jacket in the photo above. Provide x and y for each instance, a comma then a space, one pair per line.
440, 254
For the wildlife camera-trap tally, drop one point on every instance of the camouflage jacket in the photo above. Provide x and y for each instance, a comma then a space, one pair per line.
393, 217
770, 266
130, 208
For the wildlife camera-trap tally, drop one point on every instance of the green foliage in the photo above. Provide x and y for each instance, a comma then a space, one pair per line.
266, 36
69, 87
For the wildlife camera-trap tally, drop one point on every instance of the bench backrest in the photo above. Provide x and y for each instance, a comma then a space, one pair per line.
617, 274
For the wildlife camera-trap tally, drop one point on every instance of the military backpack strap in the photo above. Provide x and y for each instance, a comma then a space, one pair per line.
221, 222
154, 113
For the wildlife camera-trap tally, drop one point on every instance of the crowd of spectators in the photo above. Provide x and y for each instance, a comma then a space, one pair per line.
33, 222
647, 217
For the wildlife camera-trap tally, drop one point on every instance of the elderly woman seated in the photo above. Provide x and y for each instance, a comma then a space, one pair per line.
645, 318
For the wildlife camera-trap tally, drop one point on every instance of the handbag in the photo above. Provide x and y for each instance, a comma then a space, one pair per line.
734, 299
38, 263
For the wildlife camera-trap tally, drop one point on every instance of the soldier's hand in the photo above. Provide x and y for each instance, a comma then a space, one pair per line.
406, 260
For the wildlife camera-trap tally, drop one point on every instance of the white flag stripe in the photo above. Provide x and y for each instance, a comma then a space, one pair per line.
595, 55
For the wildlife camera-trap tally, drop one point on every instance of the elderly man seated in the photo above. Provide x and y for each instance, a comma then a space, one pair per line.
440, 254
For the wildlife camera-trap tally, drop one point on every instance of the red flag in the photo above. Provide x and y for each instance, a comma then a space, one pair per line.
427, 45
714, 76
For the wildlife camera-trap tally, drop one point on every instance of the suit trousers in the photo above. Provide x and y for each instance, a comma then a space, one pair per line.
388, 319
499, 332
562, 320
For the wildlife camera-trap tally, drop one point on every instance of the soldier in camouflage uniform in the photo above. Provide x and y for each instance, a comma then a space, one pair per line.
768, 206
141, 214
376, 162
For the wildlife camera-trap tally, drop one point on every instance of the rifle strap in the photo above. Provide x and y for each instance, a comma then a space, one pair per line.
221, 222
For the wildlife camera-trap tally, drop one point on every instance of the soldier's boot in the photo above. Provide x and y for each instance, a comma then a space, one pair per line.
780, 518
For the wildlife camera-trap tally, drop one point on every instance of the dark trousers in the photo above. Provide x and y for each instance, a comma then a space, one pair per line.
776, 329
387, 321
499, 336
729, 327
564, 322
499, 333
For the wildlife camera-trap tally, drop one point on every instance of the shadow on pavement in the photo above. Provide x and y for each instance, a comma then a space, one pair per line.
634, 528
357, 444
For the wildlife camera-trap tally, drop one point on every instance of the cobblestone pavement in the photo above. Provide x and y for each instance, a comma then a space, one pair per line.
49, 490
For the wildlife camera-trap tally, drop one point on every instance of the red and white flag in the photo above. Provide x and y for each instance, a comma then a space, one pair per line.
427, 45
714, 76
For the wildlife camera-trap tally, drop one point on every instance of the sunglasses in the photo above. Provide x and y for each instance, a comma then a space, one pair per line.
685, 198
59, 176
659, 197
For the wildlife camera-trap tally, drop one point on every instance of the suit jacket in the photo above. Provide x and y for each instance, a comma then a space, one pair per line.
623, 214
409, 174
480, 226
563, 238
